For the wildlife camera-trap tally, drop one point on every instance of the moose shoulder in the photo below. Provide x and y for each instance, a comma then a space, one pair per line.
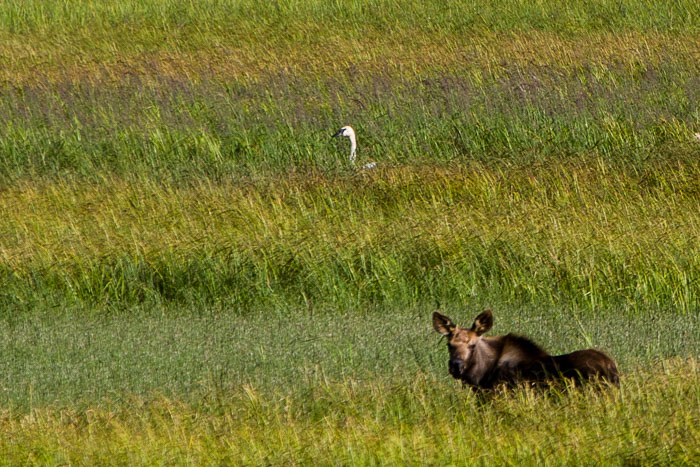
486, 362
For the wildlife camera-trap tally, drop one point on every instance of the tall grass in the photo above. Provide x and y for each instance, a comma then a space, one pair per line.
386, 423
180, 130
571, 179
192, 272
218, 89
561, 234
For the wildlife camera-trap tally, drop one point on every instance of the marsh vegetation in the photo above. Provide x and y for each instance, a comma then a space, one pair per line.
192, 272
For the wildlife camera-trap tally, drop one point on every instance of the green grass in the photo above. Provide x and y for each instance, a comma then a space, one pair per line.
218, 91
192, 273
424, 419
594, 236
230, 127
66, 359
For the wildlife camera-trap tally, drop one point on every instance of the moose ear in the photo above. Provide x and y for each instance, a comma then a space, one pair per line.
483, 322
442, 324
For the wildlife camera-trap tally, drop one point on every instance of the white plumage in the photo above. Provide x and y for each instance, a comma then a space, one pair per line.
349, 133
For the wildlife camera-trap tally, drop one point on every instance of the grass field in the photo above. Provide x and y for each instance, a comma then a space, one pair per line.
405, 422
193, 272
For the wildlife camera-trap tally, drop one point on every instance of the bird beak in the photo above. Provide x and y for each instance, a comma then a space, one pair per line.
339, 133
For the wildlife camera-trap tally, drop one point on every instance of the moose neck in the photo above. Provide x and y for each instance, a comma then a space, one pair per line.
482, 362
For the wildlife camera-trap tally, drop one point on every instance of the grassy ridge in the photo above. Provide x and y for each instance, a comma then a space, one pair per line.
423, 420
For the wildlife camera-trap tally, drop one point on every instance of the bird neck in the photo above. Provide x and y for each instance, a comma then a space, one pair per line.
353, 147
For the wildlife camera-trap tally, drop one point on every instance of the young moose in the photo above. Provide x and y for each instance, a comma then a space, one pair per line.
486, 362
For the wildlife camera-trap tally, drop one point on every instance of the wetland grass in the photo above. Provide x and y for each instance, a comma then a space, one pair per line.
191, 272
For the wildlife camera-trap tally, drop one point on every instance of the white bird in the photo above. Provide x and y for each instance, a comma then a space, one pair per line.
697, 136
350, 133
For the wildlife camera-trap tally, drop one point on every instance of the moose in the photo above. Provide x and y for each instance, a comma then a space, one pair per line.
488, 362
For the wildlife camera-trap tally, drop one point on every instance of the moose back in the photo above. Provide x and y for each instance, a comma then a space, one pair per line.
487, 362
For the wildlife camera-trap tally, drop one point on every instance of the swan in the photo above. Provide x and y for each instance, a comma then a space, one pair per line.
348, 132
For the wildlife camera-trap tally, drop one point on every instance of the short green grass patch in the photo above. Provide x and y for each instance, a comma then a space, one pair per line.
70, 358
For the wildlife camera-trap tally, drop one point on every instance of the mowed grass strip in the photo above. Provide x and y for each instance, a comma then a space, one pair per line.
585, 232
417, 421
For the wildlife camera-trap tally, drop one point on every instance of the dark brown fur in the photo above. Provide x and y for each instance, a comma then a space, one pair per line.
487, 362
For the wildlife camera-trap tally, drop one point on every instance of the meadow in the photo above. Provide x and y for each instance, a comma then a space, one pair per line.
194, 273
